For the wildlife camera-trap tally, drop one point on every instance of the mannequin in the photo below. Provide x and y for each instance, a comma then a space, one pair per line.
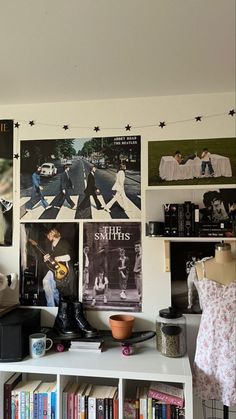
221, 268
214, 363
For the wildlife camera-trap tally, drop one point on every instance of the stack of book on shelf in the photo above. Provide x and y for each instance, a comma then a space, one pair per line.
186, 220
89, 401
88, 345
156, 401
31, 399
181, 220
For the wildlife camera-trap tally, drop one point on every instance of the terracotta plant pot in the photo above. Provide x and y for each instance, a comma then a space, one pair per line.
121, 325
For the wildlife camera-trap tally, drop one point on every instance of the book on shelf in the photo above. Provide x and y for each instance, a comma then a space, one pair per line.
21, 398
91, 342
88, 348
9, 385
166, 393
167, 220
64, 399
142, 396
71, 392
131, 408
84, 412
43, 393
79, 399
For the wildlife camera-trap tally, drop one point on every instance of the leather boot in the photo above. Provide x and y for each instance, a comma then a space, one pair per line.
81, 322
63, 324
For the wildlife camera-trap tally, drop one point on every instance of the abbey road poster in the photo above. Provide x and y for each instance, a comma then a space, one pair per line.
86, 178
6, 182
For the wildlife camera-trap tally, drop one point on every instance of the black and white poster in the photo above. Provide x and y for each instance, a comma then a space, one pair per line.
183, 256
112, 266
6, 182
49, 263
86, 178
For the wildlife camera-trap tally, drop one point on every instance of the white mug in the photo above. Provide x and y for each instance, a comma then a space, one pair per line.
38, 345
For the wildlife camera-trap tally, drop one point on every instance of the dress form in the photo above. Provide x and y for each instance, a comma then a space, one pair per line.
221, 269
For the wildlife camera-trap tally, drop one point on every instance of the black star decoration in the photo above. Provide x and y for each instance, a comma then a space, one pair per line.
128, 127
162, 124
96, 129
198, 118
65, 127
17, 125
232, 112
31, 123
16, 156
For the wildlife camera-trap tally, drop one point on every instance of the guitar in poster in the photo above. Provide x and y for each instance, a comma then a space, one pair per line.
6, 182
49, 263
112, 266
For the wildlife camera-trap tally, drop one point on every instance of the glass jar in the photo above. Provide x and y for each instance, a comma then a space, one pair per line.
171, 333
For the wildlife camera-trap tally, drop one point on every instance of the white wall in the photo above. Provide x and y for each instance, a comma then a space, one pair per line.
117, 113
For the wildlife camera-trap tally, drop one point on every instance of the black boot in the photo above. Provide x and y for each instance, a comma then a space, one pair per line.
63, 324
81, 322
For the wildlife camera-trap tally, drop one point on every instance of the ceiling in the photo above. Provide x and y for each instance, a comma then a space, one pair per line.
69, 50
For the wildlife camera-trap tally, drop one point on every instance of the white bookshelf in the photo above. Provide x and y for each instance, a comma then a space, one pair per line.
108, 367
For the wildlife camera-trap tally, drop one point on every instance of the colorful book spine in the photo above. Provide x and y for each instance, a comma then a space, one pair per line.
22, 404
54, 404
164, 397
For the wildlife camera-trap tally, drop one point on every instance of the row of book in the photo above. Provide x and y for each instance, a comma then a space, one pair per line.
156, 401
31, 399
36, 399
183, 220
89, 401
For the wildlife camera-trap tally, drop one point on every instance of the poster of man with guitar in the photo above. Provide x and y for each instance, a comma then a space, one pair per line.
55, 273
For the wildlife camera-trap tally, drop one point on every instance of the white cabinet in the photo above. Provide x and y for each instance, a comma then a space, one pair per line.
109, 367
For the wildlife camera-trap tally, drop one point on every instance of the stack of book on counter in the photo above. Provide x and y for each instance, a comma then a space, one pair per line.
156, 401
31, 399
88, 345
89, 401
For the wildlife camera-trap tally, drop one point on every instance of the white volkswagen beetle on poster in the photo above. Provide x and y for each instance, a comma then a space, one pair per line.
48, 170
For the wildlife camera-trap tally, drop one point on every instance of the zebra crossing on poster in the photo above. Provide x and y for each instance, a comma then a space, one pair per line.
66, 213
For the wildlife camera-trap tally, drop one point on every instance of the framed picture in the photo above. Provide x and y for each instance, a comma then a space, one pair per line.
6, 182
183, 255
112, 266
49, 263
86, 178
192, 162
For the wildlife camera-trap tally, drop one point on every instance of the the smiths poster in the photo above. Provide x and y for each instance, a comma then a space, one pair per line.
6, 182
112, 266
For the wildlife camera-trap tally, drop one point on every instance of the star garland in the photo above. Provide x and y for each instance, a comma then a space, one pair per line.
127, 127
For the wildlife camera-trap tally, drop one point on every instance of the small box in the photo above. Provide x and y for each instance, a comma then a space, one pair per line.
15, 328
